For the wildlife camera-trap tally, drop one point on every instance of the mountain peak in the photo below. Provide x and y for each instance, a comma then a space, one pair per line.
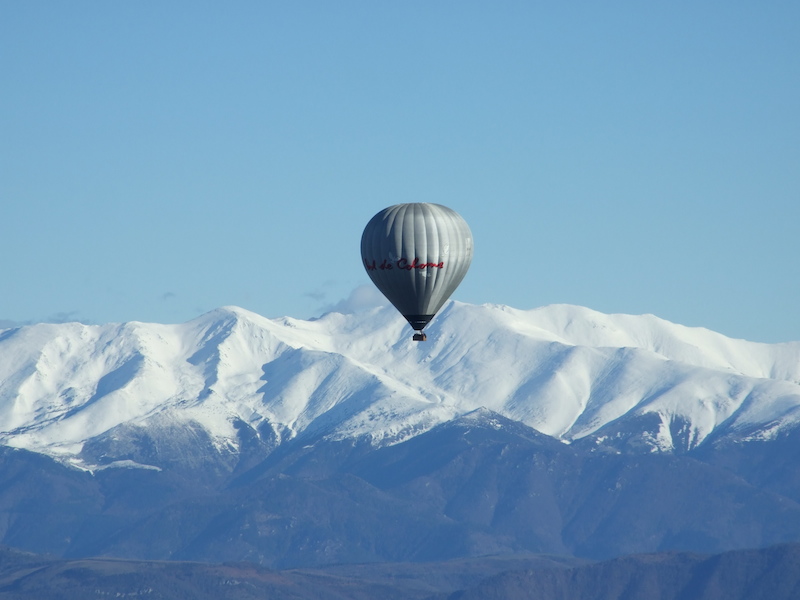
566, 371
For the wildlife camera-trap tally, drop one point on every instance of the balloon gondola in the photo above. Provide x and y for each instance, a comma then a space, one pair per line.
417, 254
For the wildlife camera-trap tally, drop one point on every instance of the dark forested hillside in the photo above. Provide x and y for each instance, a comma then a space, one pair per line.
768, 574
480, 485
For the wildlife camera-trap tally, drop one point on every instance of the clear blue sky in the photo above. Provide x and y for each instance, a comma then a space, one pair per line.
161, 159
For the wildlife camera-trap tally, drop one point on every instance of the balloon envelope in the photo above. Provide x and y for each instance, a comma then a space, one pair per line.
417, 254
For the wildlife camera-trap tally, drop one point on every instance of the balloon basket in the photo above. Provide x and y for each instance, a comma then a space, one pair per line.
420, 337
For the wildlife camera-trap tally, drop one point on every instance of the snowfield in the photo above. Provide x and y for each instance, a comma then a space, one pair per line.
634, 382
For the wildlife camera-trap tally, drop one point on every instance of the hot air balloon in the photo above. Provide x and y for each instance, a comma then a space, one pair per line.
416, 254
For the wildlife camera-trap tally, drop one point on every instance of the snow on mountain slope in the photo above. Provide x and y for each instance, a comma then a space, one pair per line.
567, 371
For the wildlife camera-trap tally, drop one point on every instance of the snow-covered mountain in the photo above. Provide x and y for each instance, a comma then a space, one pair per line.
620, 382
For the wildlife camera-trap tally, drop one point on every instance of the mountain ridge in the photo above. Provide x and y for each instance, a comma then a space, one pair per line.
621, 383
